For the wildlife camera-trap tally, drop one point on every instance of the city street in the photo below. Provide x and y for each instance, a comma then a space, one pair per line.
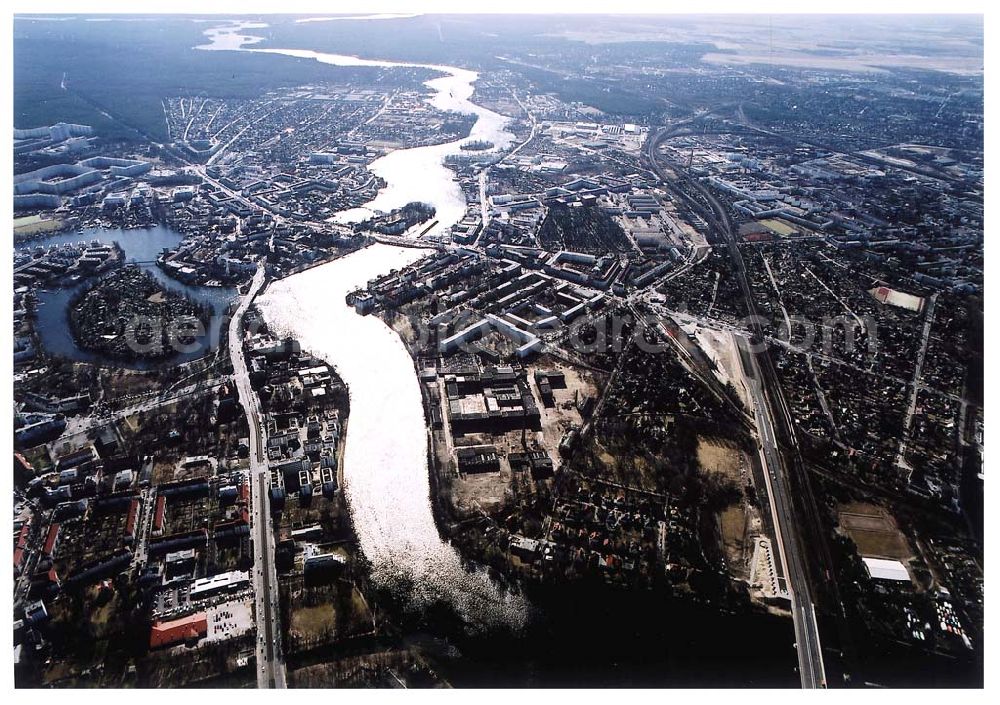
270, 665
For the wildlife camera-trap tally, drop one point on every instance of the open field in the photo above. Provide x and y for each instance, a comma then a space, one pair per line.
312, 623
323, 614
33, 225
779, 227
717, 456
626, 464
873, 531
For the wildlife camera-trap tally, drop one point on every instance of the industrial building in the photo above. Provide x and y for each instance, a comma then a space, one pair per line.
179, 631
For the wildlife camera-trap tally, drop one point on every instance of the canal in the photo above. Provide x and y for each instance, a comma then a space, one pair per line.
140, 245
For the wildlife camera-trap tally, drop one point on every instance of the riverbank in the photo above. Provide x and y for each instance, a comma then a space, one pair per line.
322, 576
385, 466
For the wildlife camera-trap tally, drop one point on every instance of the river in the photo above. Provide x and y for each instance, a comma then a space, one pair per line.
387, 481
139, 245
385, 460
416, 174
595, 637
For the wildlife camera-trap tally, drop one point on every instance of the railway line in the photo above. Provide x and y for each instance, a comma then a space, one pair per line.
767, 397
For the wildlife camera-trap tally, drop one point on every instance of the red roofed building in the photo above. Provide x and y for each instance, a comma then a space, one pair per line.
51, 539
133, 515
178, 631
161, 507
53, 577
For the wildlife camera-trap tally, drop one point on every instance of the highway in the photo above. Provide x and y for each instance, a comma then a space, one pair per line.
484, 209
807, 643
270, 665
764, 386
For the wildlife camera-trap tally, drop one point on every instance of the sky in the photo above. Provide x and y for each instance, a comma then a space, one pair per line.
319, 7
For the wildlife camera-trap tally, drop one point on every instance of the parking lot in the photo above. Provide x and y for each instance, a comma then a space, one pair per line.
230, 619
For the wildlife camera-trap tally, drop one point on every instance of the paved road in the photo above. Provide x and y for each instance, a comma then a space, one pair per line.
270, 665
915, 385
484, 208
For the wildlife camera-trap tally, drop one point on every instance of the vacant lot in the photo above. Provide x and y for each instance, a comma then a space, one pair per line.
733, 526
313, 623
720, 456
326, 613
163, 472
483, 491
557, 419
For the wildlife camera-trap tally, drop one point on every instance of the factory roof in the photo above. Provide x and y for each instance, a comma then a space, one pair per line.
882, 569
188, 628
